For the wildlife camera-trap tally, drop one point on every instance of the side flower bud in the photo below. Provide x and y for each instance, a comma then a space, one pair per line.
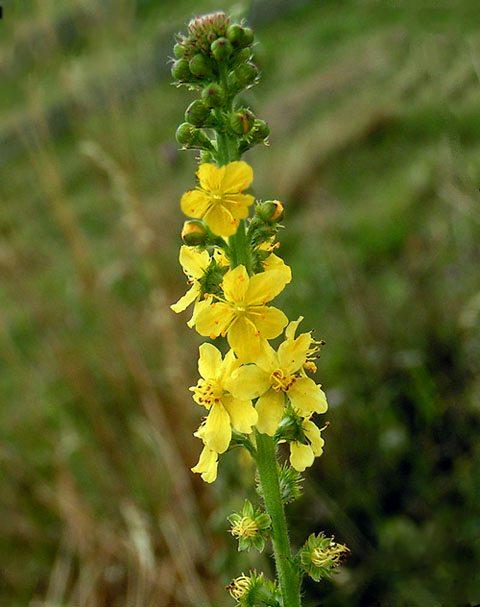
241, 122
270, 211
321, 555
194, 233
250, 527
197, 113
213, 95
246, 74
191, 137
181, 71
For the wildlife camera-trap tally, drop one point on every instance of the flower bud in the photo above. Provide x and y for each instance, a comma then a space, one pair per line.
221, 49
213, 95
270, 211
246, 74
260, 131
242, 56
241, 122
197, 113
181, 71
194, 233
191, 137
239, 36
200, 66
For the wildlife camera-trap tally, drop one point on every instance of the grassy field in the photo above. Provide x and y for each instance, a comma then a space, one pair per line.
374, 108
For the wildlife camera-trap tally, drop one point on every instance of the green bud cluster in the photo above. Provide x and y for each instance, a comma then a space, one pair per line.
250, 527
214, 57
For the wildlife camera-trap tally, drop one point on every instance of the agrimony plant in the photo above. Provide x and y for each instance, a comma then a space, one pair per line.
255, 395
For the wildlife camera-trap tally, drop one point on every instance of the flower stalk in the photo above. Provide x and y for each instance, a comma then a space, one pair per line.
254, 396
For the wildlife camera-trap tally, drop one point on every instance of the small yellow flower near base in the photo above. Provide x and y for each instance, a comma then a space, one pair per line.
302, 456
224, 410
243, 315
207, 465
218, 199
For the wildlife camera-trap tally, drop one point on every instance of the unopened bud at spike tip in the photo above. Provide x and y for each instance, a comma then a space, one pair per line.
221, 49
200, 66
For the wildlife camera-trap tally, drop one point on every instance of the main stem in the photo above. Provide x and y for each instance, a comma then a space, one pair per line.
286, 571
266, 458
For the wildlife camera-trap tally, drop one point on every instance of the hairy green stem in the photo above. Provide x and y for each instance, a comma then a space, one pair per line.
268, 471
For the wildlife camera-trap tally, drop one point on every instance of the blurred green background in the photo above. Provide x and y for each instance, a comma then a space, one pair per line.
374, 108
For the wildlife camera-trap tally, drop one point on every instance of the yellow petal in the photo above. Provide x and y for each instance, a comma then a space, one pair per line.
292, 353
244, 339
238, 176
220, 220
307, 397
238, 204
242, 413
189, 297
314, 437
229, 366
207, 465
292, 328
214, 319
195, 203
235, 284
270, 409
216, 432
264, 287
197, 308
273, 262
248, 382
301, 456
270, 322
209, 361
268, 359
193, 261
210, 176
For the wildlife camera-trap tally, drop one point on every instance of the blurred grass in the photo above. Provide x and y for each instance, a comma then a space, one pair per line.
374, 109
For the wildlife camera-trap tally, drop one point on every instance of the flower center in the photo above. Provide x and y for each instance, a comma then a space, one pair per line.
245, 528
207, 392
281, 382
217, 198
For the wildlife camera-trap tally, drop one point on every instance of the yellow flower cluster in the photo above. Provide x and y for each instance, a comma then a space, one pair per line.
253, 384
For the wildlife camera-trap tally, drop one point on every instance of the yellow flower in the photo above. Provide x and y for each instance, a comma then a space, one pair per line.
224, 410
302, 456
194, 264
218, 199
207, 465
277, 374
243, 316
